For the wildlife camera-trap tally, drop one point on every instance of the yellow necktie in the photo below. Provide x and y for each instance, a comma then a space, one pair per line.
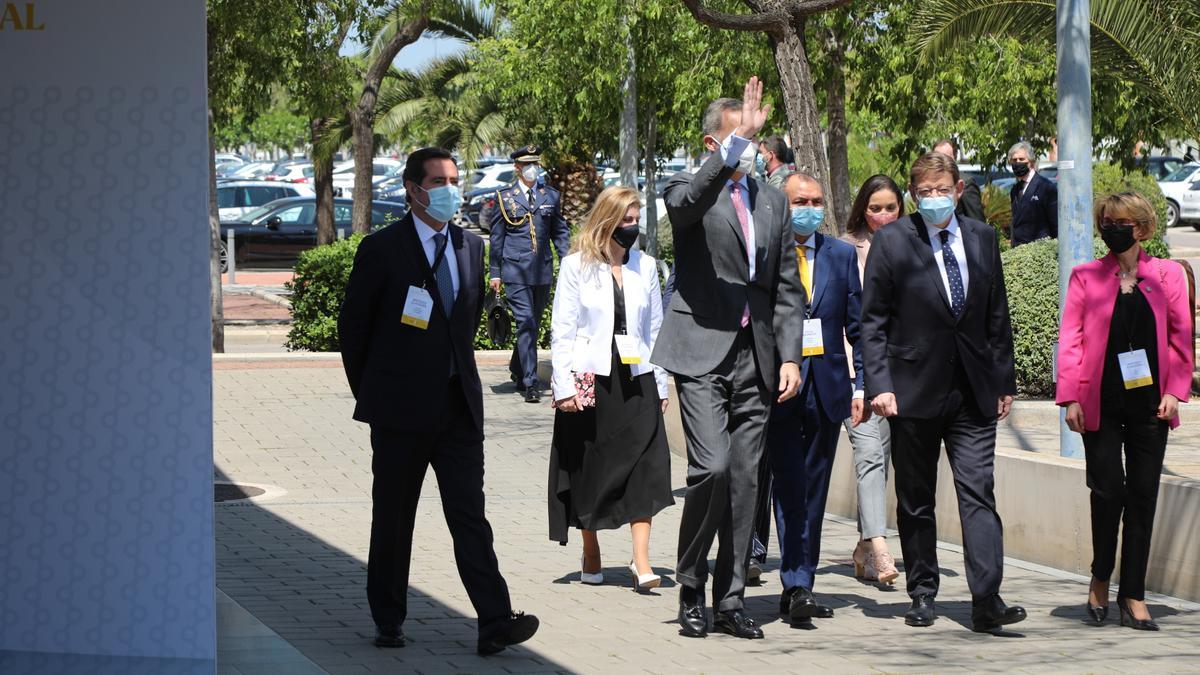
805, 273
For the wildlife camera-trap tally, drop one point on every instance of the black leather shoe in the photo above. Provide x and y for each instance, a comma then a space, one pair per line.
389, 635
1128, 620
991, 613
532, 395
921, 613
1097, 614
693, 619
804, 607
737, 624
511, 630
785, 601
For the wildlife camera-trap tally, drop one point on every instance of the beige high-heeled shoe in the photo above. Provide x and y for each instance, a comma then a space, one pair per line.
883, 566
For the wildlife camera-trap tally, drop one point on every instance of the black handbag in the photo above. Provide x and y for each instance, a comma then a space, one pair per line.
499, 319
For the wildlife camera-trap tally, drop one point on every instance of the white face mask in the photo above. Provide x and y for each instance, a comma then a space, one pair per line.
746, 161
529, 172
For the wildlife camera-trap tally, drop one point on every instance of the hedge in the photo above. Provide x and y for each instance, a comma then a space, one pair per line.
319, 287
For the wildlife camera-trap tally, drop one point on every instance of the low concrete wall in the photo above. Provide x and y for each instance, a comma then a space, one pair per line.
1043, 500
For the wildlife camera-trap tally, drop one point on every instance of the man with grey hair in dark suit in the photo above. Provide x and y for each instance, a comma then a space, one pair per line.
732, 338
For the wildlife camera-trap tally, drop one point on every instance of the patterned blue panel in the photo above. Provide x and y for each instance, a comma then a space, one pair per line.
105, 374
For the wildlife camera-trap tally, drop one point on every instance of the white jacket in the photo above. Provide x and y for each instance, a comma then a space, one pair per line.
581, 325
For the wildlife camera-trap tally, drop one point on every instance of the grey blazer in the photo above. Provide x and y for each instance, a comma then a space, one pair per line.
712, 277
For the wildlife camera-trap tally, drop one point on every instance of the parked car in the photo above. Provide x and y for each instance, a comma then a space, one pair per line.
251, 171
279, 231
492, 176
1182, 190
236, 198
291, 173
1161, 166
389, 189
382, 168
476, 204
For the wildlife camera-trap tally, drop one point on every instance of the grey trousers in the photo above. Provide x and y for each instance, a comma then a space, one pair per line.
872, 442
724, 419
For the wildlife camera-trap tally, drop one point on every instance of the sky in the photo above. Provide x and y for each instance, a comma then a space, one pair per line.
416, 55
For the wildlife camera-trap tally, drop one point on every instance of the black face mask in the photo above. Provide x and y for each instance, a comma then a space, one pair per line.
1118, 239
1019, 170
626, 237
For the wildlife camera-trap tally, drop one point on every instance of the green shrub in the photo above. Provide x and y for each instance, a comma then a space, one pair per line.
318, 289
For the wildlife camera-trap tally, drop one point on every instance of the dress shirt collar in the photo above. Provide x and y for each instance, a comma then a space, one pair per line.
425, 232
810, 244
952, 228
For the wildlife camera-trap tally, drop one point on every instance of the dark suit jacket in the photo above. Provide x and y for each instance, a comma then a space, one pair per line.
836, 301
513, 258
970, 205
400, 374
712, 283
1035, 213
911, 342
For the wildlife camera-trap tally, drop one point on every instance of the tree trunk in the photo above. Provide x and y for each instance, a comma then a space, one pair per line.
651, 176
362, 123
362, 115
835, 112
628, 138
795, 79
214, 230
323, 185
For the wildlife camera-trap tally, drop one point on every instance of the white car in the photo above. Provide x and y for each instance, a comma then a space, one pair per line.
494, 176
382, 168
292, 173
238, 197
1182, 190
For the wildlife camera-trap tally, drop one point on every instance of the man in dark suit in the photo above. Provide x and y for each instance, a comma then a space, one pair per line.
407, 329
731, 336
970, 205
938, 358
1034, 198
526, 221
803, 433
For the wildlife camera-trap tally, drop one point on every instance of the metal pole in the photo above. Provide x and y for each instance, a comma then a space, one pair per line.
1074, 163
231, 258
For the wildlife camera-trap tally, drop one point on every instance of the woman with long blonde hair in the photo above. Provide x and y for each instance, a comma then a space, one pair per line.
609, 460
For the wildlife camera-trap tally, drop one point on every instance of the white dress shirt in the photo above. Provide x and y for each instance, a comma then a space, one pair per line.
956, 245
731, 155
425, 234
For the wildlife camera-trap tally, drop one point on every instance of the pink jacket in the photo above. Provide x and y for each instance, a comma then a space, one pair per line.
1083, 335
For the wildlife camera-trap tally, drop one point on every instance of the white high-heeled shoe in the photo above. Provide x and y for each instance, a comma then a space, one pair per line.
643, 582
589, 578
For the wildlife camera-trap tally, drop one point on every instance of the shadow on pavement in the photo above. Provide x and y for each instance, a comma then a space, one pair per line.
313, 595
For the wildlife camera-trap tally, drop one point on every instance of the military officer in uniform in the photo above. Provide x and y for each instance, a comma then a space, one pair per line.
527, 220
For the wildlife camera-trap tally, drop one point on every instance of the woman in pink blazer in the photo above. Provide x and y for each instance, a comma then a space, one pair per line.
1124, 365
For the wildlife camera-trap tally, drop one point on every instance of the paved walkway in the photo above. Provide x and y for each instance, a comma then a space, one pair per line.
296, 561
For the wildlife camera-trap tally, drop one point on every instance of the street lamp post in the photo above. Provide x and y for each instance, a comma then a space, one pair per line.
1074, 163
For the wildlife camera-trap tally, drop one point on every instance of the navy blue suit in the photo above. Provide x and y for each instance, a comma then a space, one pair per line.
1034, 211
803, 432
521, 236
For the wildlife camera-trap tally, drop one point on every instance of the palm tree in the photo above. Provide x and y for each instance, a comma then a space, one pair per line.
1153, 43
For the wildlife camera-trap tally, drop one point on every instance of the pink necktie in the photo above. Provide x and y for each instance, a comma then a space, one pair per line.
743, 216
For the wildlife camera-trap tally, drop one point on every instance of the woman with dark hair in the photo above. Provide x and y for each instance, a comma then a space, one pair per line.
878, 203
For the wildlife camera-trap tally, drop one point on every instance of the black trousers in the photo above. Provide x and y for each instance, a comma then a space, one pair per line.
724, 419
971, 448
454, 447
1128, 494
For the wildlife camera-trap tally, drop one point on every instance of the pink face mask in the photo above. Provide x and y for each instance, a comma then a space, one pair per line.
878, 220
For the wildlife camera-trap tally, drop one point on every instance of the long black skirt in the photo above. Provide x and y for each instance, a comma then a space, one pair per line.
610, 465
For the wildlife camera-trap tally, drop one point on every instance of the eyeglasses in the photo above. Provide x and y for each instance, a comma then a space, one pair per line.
815, 201
944, 191
1116, 223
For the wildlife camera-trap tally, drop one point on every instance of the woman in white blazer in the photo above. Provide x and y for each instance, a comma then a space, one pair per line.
609, 461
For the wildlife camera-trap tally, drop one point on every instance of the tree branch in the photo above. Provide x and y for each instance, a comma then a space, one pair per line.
800, 8
759, 21
409, 33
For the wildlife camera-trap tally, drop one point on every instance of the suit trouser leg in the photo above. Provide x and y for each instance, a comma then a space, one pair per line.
527, 303
871, 441
458, 463
724, 419
762, 511
398, 464
916, 445
971, 450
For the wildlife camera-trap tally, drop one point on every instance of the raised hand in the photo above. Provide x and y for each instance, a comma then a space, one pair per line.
754, 113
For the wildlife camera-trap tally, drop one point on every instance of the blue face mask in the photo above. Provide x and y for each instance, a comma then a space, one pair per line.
760, 164
444, 202
806, 219
936, 210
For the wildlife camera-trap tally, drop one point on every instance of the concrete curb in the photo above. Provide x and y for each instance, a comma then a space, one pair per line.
271, 297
